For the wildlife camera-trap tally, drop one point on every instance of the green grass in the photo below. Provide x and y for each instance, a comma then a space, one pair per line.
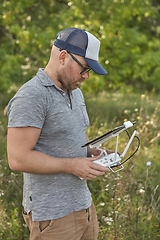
127, 202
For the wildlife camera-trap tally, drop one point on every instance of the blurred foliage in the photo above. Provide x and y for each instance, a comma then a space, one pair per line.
27, 29
129, 31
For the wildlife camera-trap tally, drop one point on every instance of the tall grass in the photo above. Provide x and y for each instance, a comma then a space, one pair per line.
127, 202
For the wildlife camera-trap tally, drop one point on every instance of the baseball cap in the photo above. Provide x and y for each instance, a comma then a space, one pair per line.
82, 43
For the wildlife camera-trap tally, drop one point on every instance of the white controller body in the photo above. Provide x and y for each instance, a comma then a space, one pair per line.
109, 160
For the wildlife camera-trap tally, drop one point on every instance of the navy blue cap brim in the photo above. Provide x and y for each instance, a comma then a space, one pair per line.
95, 66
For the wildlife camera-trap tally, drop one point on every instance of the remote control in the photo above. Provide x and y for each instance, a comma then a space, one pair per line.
112, 160
108, 160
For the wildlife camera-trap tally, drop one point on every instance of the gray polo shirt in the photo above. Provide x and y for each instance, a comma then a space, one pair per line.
40, 103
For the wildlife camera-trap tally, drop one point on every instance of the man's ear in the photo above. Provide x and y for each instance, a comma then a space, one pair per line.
62, 56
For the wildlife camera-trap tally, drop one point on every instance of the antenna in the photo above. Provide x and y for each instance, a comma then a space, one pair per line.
97, 142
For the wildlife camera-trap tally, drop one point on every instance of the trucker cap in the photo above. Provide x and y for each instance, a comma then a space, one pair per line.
82, 43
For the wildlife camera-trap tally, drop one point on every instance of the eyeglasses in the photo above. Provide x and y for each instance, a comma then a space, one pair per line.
85, 70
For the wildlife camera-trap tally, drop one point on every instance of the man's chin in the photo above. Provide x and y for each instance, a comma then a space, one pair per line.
76, 86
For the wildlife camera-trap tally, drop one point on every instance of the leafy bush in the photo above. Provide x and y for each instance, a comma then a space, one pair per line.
129, 32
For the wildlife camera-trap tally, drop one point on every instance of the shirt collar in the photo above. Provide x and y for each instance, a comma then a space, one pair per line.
46, 81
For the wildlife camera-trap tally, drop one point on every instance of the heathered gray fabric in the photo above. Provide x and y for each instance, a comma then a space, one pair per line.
39, 103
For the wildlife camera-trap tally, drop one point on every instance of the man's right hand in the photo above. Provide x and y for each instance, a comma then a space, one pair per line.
86, 168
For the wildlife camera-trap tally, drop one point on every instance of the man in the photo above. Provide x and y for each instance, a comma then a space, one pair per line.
46, 129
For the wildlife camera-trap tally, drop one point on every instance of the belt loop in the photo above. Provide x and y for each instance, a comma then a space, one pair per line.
88, 211
24, 212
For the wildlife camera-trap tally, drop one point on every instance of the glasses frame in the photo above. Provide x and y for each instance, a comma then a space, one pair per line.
85, 70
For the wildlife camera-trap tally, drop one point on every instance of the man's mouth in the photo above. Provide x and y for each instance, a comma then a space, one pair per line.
81, 81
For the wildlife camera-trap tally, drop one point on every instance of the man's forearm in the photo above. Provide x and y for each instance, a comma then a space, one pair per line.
39, 163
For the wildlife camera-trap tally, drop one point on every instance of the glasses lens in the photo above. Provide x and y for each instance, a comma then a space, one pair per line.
86, 70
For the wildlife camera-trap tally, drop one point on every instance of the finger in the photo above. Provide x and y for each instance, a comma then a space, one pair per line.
90, 177
96, 152
99, 167
111, 151
93, 175
99, 173
94, 158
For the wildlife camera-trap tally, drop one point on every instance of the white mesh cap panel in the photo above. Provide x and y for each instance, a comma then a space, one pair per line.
92, 50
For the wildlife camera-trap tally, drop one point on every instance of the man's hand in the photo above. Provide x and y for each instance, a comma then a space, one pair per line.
86, 168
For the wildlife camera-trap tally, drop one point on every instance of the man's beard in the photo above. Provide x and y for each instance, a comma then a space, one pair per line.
60, 79
65, 81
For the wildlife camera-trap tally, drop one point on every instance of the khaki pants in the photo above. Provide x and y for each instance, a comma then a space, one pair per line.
81, 225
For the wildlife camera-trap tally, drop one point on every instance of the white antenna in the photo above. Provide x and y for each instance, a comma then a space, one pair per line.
129, 143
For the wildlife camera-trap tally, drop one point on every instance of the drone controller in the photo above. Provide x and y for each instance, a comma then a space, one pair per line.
114, 159
110, 160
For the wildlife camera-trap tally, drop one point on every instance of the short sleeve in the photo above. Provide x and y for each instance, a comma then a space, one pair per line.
27, 108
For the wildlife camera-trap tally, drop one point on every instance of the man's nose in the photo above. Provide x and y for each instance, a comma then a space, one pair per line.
86, 75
